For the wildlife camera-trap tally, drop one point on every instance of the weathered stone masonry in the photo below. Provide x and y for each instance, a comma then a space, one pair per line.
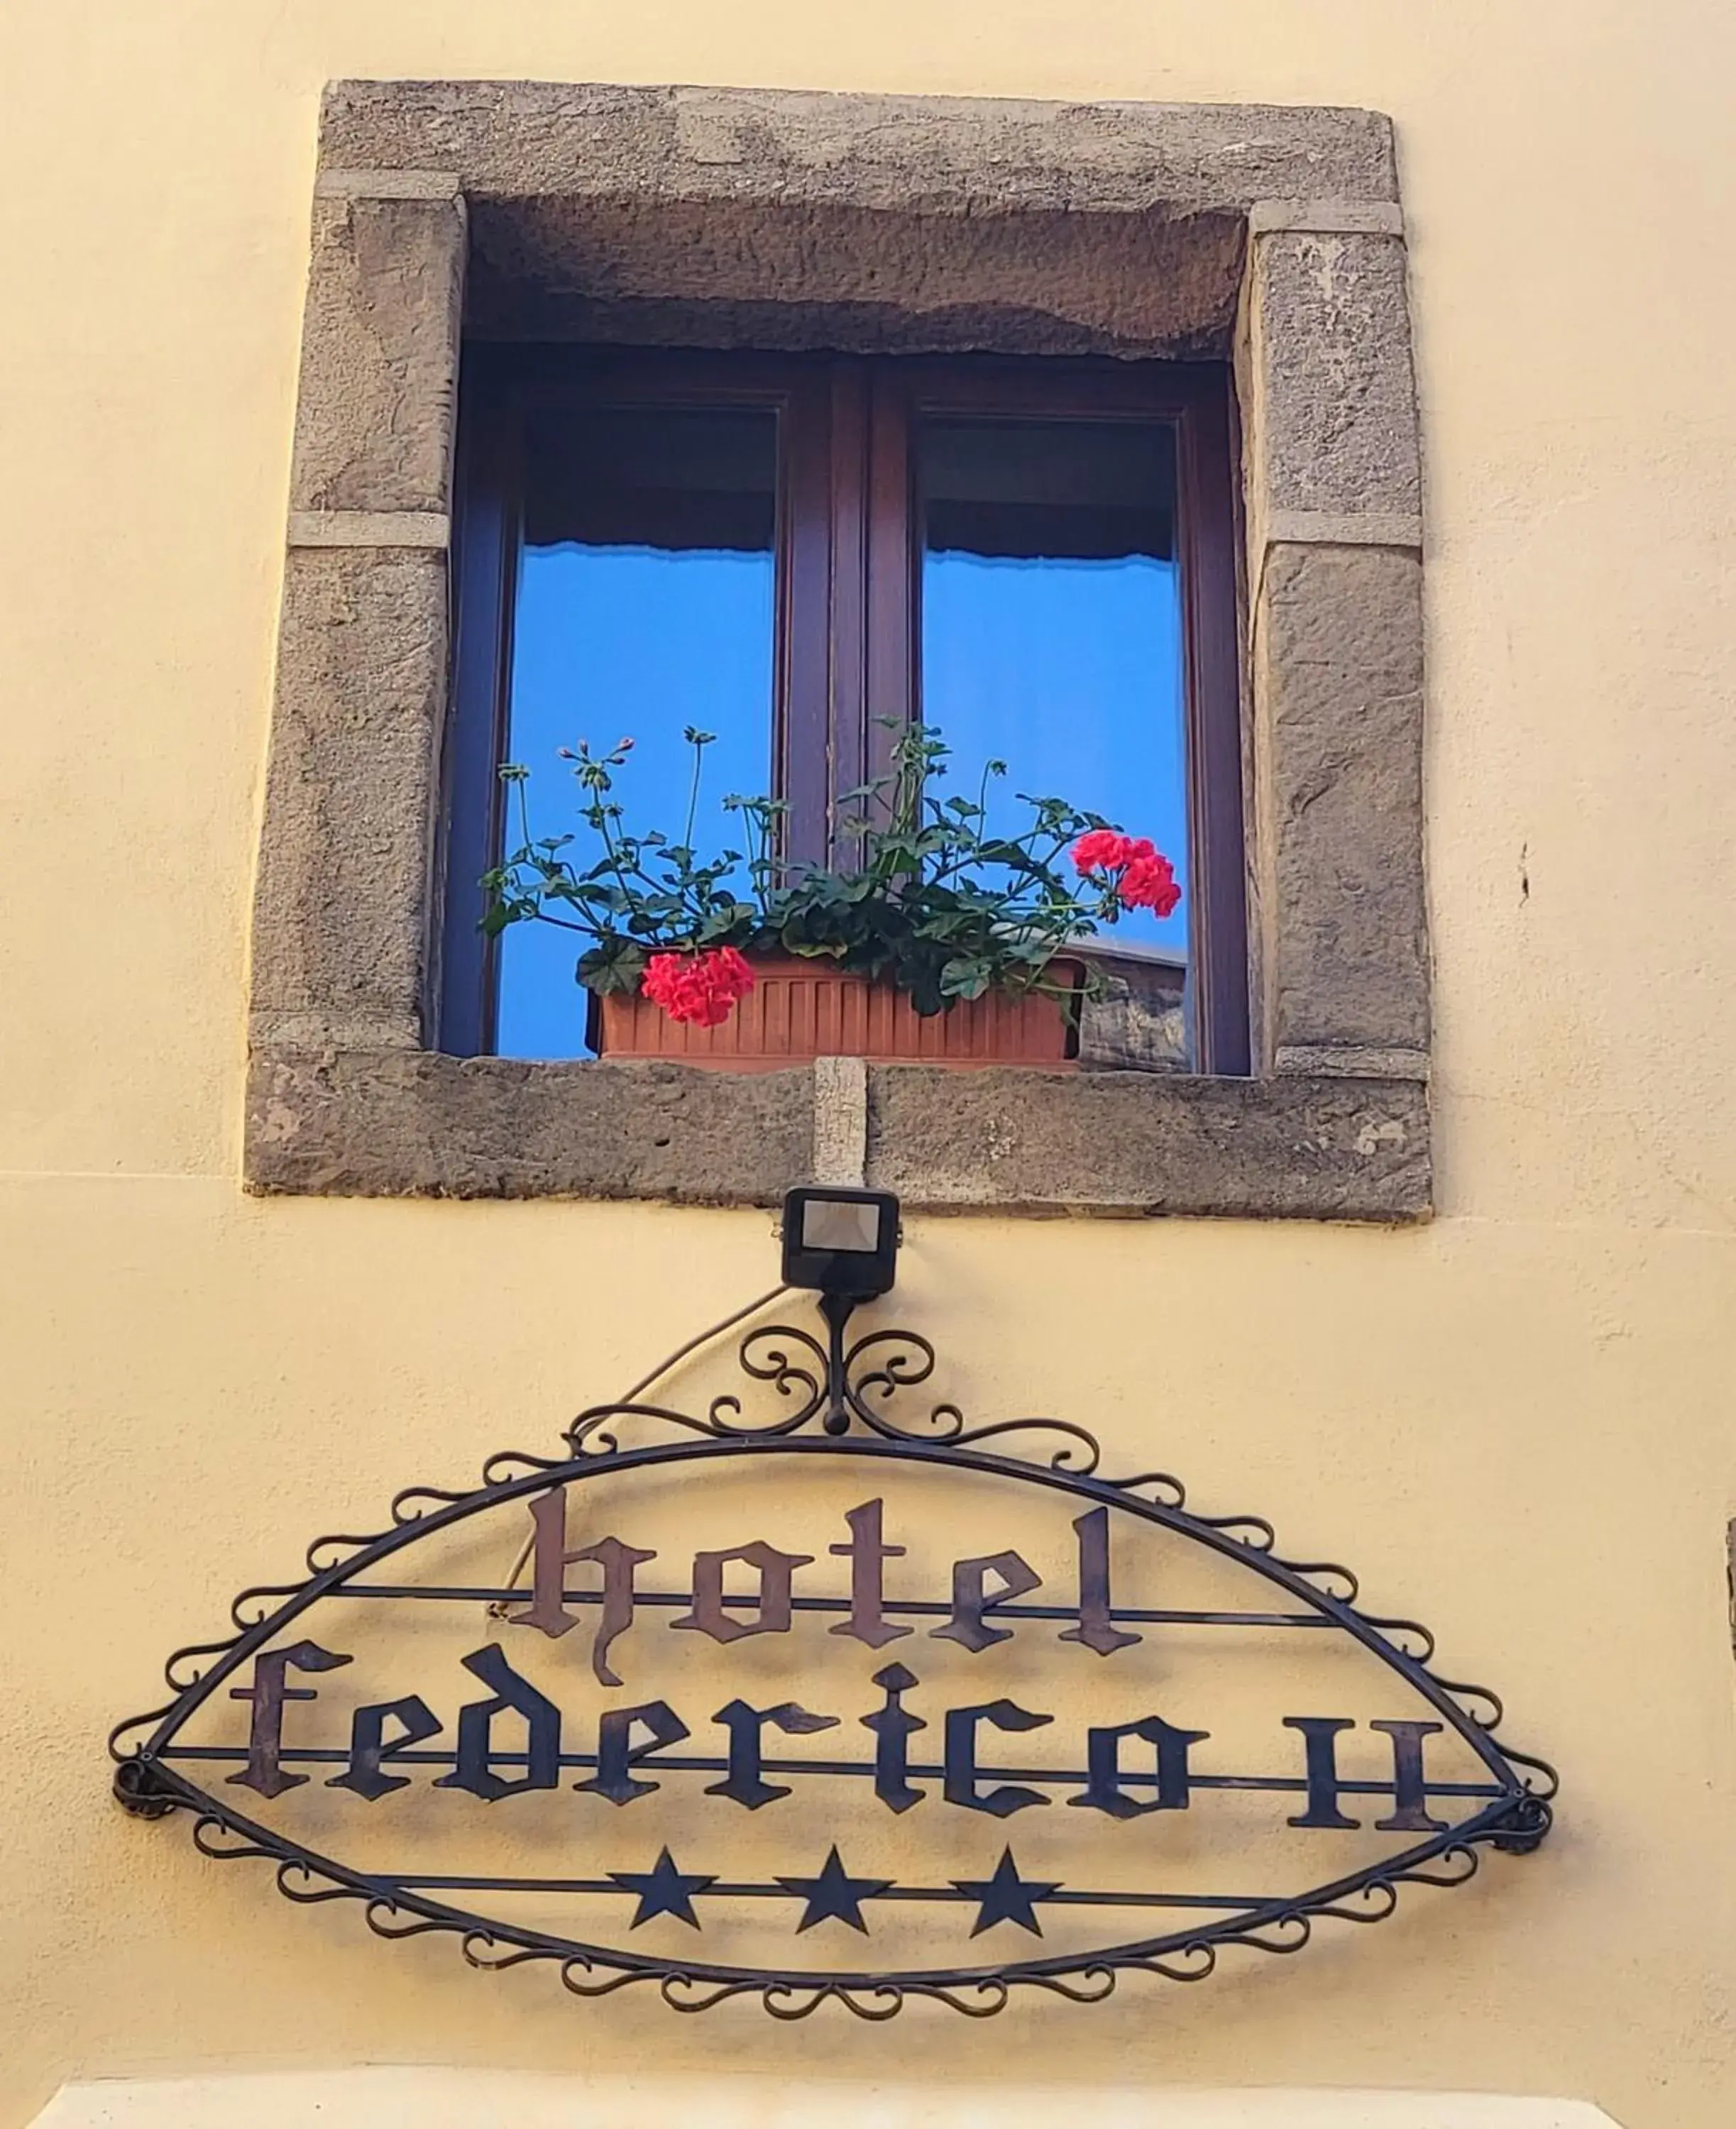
717, 218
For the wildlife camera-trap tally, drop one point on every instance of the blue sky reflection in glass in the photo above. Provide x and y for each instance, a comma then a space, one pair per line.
1051, 624
645, 603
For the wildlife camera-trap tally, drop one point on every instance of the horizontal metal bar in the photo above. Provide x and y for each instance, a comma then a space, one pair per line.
674, 1599
688, 1764
1061, 1897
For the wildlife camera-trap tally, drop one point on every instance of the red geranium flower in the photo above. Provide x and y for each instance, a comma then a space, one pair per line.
1144, 878
1101, 850
1149, 883
702, 989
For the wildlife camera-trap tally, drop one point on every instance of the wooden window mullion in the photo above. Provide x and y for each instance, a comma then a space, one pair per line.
846, 723
893, 544
806, 652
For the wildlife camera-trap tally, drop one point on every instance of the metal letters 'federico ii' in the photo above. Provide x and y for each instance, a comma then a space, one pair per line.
821, 1691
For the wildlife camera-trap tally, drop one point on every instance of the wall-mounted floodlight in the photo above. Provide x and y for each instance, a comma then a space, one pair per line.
843, 1242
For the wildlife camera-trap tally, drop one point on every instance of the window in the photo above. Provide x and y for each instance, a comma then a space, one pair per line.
797, 552
1079, 257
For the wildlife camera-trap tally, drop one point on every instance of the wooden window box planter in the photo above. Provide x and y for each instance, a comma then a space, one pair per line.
800, 1009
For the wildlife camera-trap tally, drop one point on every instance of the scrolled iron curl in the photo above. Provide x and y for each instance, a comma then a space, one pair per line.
1062, 1459
1390, 1627
767, 1354
1463, 1692
1173, 1494
181, 1681
350, 1542
511, 1463
1264, 1539
1320, 1571
625, 1979
1384, 1896
494, 1961
206, 1827
1097, 1984
407, 1506
701, 1995
296, 1881
382, 1917
902, 1359
1297, 1923
243, 1623
1457, 1854
592, 1435
789, 2002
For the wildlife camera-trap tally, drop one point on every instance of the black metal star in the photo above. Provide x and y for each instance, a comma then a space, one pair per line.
1006, 1897
663, 1890
835, 1896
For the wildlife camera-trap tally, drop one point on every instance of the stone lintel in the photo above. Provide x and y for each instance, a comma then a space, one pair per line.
905, 154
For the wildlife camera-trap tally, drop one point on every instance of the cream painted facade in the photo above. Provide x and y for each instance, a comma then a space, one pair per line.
1515, 1421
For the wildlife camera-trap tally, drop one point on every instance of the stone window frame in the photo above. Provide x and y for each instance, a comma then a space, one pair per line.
719, 217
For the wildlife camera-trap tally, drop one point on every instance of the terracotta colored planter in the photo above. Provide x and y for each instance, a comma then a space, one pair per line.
802, 1009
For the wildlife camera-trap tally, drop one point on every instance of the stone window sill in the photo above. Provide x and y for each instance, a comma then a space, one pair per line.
414, 1123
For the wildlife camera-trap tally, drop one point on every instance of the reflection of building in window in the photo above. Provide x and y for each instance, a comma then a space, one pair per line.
1139, 1024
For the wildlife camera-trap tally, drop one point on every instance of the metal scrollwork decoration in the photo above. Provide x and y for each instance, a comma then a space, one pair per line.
864, 1399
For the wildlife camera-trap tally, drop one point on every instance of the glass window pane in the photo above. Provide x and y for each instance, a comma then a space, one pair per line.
1051, 624
646, 592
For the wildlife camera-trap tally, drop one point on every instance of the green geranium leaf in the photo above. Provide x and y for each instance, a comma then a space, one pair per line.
613, 964
965, 979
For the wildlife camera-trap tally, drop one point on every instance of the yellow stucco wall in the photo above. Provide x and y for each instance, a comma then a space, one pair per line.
1516, 1422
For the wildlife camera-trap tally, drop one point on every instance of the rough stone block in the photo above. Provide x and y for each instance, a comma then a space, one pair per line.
1149, 1143
923, 154
397, 1123
1339, 754
1329, 376
379, 355
343, 908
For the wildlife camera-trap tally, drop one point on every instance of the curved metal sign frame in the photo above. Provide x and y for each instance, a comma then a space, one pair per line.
833, 1402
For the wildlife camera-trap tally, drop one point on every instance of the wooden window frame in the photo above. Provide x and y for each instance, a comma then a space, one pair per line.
848, 547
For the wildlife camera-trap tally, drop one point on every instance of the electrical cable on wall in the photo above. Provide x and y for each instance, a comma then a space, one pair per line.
497, 1609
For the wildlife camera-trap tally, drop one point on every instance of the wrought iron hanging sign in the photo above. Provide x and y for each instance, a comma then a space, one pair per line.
831, 1695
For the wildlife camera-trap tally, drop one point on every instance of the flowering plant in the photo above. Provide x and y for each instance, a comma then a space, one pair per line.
937, 902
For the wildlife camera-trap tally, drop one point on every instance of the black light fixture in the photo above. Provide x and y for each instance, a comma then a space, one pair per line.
843, 1243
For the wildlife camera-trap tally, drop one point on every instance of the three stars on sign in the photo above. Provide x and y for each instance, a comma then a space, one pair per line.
834, 1896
